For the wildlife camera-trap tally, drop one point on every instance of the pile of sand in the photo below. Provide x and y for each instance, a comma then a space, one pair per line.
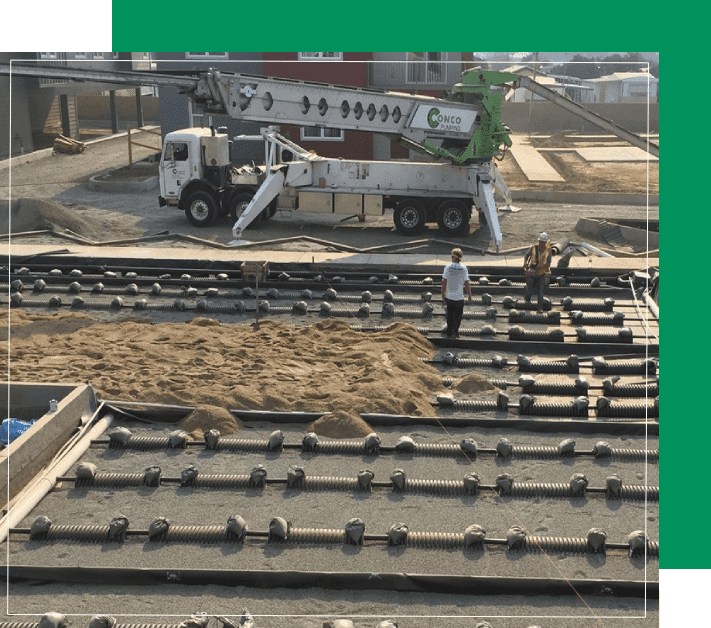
325, 367
31, 214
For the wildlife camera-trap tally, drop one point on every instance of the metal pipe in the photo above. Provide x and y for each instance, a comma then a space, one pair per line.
31, 495
588, 115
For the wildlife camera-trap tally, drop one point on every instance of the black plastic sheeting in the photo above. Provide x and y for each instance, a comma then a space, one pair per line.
479, 585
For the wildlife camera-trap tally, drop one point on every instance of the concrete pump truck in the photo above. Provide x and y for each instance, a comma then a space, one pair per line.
462, 133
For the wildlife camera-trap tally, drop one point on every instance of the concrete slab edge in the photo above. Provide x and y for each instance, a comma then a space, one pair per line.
585, 198
47, 152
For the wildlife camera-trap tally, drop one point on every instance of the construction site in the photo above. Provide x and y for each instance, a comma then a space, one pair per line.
244, 410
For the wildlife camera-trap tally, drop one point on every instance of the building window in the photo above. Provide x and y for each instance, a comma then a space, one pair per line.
320, 134
206, 55
97, 55
80, 55
426, 68
52, 58
327, 56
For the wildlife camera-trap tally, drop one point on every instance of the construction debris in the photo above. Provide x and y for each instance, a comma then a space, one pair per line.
67, 145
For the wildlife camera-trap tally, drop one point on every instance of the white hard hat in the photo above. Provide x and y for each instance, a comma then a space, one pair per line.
543, 237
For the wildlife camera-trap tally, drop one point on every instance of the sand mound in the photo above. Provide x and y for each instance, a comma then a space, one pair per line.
341, 424
30, 214
326, 367
474, 383
208, 418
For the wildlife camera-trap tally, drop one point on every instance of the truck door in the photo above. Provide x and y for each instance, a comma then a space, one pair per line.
175, 169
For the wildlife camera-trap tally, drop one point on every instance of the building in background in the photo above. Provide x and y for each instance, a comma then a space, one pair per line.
43, 108
623, 87
426, 73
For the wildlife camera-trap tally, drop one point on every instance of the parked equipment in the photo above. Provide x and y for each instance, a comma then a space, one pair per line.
461, 134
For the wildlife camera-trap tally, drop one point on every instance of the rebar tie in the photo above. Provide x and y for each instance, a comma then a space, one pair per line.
548, 318
623, 335
115, 480
344, 447
555, 388
613, 389
444, 450
548, 366
197, 534
326, 483
639, 493
464, 363
142, 443
242, 444
221, 481
540, 489
578, 317
443, 540
538, 408
544, 452
79, 533
612, 409
636, 454
552, 335
479, 315
558, 544
221, 308
436, 487
475, 405
644, 367
588, 305
304, 536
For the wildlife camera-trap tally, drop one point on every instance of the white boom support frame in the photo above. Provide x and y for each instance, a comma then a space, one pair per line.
311, 172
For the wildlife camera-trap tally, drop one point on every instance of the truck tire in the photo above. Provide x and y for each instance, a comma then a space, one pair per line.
453, 217
201, 208
239, 203
409, 216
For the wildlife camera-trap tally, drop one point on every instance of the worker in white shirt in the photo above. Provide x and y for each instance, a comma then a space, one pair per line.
455, 281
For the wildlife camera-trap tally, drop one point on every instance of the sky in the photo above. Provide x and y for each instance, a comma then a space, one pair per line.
562, 57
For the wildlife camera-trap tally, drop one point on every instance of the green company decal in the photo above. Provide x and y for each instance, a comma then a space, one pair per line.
435, 119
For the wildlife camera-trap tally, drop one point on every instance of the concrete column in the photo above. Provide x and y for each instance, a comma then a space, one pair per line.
113, 111
139, 111
64, 115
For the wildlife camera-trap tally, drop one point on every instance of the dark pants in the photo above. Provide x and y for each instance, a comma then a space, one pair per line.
536, 283
455, 309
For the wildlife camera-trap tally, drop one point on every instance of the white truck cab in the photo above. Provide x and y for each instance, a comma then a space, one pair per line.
194, 168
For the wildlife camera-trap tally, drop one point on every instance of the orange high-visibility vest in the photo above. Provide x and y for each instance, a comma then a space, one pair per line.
541, 264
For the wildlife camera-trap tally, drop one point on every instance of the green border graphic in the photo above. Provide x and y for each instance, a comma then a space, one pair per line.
136, 24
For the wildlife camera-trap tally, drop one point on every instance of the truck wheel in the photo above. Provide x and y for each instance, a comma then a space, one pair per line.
453, 217
201, 209
239, 203
409, 216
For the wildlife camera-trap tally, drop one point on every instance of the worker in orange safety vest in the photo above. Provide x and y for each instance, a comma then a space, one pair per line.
537, 265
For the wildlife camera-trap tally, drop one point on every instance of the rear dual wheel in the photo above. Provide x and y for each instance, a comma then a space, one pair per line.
453, 217
409, 216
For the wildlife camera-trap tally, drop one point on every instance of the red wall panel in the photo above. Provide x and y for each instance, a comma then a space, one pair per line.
352, 71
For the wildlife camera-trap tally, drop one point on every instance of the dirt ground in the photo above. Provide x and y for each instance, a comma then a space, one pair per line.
581, 175
116, 216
